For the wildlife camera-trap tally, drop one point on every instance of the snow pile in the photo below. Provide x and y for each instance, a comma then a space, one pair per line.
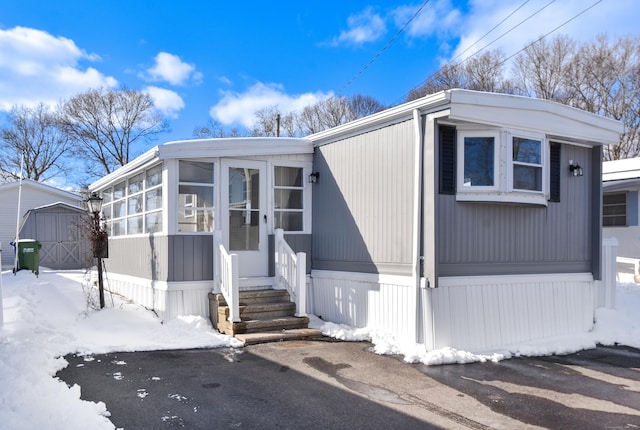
46, 318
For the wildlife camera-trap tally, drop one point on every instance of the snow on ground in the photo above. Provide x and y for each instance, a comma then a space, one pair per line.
619, 326
48, 317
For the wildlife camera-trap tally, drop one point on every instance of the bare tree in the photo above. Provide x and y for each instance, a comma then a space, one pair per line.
362, 105
109, 127
328, 113
212, 129
604, 80
486, 72
271, 122
33, 134
482, 73
542, 69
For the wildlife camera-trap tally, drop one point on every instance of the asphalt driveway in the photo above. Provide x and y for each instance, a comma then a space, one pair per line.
340, 385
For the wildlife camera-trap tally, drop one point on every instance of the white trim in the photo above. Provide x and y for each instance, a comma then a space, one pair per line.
502, 191
497, 160
461, 281
307, 189
376, 278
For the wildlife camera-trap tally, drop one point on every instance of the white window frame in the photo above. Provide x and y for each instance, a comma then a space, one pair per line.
306, 193
107, 208
460, 180
502, 189
544, 161
190, 208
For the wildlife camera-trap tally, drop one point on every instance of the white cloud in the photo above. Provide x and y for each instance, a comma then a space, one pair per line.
364, 27
38, 67
527, 24
166, 101
170, 68
239, 108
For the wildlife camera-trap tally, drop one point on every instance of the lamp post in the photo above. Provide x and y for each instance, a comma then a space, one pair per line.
98, 238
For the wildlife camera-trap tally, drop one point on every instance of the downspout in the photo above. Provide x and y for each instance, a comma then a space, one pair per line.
417, 256
426, 274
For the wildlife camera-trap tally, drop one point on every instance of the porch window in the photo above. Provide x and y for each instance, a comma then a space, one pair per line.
195, 196
288, 197
614, 210
134, 206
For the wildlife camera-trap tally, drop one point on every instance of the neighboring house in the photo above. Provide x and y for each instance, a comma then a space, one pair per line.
462, 219
620, 207
34, 194
62, 230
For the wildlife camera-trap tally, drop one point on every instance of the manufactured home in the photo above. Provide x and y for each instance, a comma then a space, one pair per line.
462, 219
620, 209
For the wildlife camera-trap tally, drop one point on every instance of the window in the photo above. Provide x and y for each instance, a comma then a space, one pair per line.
288, 197
134, 205
614, 210
527, 163
501, 165
479, 160
195, 196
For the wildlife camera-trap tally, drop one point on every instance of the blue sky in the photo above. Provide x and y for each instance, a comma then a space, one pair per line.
225, 60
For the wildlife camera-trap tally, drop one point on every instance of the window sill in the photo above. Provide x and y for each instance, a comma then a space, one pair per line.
513, 197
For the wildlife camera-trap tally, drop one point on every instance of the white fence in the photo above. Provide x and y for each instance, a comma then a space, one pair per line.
226, 276
606, 289
291, 272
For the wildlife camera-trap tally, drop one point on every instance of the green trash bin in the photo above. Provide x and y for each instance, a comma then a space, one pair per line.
28, 255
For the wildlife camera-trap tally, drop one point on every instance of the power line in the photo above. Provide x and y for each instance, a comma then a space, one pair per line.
488, 32
384, 48
451, 63
552, 31
508, 31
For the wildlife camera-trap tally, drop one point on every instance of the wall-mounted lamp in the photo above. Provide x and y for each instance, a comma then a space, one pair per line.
313, 178
575, 168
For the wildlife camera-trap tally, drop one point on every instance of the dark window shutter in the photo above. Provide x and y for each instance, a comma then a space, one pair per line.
447, 165
554, 172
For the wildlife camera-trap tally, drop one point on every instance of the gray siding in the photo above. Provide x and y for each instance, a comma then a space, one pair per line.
363, 202
297, 242
62, 233
179, 258
495, 239
143, 257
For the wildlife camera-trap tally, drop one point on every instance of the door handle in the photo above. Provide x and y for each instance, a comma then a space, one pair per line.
265, 219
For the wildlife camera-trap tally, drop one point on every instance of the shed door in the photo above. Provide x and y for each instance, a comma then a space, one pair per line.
244, 215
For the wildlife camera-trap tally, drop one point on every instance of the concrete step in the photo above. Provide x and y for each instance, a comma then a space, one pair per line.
278, 336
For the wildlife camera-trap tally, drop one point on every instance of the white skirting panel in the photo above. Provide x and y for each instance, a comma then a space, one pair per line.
167, 299
365, 300
491, 312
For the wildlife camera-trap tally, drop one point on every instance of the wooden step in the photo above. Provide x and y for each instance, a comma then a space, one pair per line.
278, 336
260, 311
251, 297
256, 326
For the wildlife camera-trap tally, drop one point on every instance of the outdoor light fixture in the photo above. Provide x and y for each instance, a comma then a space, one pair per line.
94, 204
313, 178
99, 239
575, 168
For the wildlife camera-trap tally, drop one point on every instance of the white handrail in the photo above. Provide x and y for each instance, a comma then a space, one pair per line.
226, 276
291, 272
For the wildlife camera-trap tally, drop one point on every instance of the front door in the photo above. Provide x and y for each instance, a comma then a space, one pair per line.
244, 214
